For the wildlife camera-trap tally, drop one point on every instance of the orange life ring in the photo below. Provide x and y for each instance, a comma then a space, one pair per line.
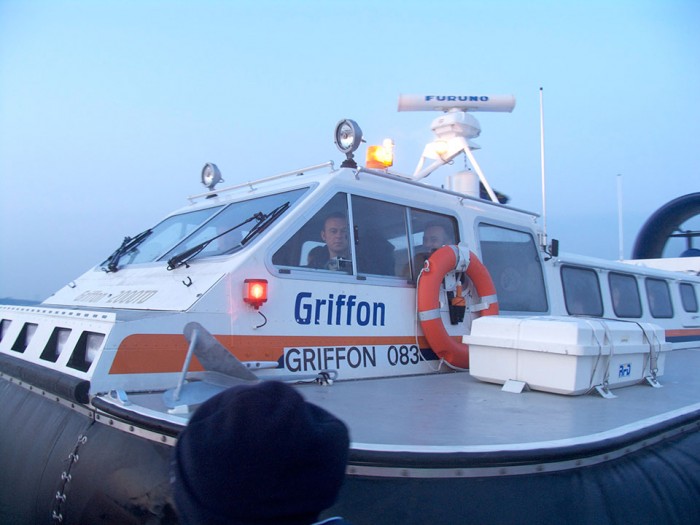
441, 262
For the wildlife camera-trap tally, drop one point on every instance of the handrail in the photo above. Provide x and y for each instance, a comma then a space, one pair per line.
260, 181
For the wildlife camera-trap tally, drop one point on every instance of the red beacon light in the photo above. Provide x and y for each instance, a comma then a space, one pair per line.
255, 292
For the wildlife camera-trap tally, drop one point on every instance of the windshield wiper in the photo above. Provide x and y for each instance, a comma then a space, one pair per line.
129, 243
263, 222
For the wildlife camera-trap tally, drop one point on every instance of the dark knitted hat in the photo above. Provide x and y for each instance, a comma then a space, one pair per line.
258, 454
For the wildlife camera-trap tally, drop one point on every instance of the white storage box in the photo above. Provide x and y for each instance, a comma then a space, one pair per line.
565, 355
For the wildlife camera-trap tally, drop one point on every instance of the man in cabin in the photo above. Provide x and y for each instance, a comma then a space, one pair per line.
259, 454
436, 235
335, 255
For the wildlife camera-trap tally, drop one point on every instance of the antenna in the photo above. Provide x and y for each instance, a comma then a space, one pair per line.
619, 216
454, 129
544, 186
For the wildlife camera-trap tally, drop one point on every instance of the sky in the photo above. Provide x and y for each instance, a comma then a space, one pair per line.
109, 109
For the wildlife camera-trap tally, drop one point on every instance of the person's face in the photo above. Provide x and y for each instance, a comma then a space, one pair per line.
434, 237
335, 235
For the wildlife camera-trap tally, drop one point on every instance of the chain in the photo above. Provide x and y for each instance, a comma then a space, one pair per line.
57, 515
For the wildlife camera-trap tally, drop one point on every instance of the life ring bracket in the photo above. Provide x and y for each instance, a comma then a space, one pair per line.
451, 258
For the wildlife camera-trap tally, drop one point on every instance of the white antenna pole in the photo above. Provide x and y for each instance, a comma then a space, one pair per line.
619, 216
544, 191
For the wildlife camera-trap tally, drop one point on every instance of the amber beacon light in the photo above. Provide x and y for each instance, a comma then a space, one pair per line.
381, 157
255, 292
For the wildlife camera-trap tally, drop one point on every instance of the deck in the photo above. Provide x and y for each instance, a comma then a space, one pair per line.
458, 413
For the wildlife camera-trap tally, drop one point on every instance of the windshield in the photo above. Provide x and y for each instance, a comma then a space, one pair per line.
161, 237
222, 230
235, 225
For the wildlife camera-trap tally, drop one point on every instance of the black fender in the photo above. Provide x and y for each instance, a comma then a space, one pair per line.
653, 236
59, 465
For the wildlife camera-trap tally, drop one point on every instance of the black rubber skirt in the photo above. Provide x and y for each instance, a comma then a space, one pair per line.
59, 465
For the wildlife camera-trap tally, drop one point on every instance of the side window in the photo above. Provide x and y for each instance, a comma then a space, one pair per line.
367, 236
429, 231
379, 230
323, 242
659, 298
581, 291
512, 260
688, 297
625, 295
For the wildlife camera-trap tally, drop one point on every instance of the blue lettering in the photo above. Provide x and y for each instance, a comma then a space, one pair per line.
319, 304
343, 310
377, 308
305, 317
351, 304
457, 98
363, 313
339, 303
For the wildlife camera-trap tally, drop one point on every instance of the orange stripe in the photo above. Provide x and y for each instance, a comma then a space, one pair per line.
161, 353
152, 353
682, 332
